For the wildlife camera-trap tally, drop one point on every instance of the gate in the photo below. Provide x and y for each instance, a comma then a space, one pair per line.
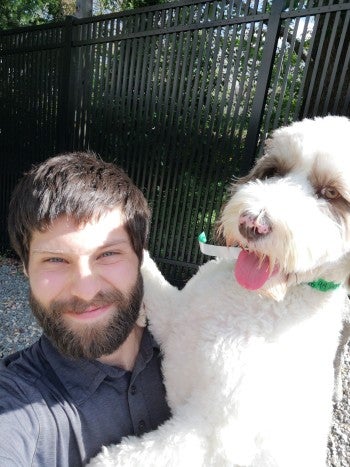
181, 95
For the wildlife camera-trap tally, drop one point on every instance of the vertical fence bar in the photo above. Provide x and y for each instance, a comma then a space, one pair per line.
273, 28
64, 119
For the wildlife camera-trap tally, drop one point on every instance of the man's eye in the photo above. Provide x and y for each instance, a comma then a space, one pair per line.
109, 257
109, 253
55, 260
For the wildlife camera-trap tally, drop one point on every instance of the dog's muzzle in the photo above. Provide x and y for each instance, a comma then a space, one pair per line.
252, 227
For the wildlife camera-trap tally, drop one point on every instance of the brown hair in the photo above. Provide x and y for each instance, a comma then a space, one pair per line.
80, 185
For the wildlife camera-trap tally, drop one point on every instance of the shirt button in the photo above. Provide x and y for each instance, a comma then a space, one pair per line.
133, 390
141, 426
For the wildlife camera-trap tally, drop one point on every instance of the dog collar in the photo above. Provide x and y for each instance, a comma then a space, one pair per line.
323, 285
227, 252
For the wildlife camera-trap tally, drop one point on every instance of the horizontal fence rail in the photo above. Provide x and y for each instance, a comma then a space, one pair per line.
181, 95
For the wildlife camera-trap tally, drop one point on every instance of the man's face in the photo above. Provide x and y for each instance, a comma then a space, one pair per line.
86, 287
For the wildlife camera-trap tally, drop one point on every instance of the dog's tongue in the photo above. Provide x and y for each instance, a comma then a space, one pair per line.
252, 273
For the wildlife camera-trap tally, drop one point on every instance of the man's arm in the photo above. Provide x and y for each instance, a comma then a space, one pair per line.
19, 427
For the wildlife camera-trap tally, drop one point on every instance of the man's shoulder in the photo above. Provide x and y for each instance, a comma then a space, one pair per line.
19, 373
20, 408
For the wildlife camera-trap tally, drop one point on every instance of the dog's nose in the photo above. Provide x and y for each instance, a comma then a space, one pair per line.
253, 226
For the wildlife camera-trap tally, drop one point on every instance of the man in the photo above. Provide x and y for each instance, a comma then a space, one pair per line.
79, 226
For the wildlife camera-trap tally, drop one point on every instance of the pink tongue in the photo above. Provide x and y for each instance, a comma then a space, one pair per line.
250, 272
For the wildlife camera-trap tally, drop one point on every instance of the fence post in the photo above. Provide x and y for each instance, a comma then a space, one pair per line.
263, 80
64, 104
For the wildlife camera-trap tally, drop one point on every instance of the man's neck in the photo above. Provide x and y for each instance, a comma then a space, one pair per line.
125, 356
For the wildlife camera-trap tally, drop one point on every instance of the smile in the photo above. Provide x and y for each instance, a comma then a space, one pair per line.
89, 313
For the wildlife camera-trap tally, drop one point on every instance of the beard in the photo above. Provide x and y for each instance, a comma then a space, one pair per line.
90, 341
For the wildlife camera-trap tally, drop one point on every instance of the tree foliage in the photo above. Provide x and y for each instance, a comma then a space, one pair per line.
101, 7
15, 13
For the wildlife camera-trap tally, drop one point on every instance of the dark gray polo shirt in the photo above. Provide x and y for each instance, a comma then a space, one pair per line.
56, 411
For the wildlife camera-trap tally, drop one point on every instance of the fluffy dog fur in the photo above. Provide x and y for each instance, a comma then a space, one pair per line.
249, 373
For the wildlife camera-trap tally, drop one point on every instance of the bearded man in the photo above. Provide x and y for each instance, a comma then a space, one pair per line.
79, 226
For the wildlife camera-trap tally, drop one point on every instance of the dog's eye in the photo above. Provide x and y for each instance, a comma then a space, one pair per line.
269, 173
330, 192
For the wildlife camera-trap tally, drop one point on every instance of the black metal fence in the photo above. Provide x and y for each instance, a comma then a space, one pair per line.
180, 95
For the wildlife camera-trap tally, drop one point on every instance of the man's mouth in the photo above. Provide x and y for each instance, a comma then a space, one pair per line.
90, 312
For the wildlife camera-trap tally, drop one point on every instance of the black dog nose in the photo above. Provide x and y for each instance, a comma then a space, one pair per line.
253, 227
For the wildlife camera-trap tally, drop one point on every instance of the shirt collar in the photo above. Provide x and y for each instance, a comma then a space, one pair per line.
81, 378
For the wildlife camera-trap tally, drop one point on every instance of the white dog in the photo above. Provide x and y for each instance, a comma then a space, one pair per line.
248, 363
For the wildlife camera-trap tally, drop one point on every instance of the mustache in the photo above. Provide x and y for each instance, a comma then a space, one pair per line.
77, 305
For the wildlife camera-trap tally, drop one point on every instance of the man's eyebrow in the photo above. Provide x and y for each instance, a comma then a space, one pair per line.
109, 244
51, 252
114, 243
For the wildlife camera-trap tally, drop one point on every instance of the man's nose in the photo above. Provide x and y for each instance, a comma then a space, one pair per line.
85, 282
